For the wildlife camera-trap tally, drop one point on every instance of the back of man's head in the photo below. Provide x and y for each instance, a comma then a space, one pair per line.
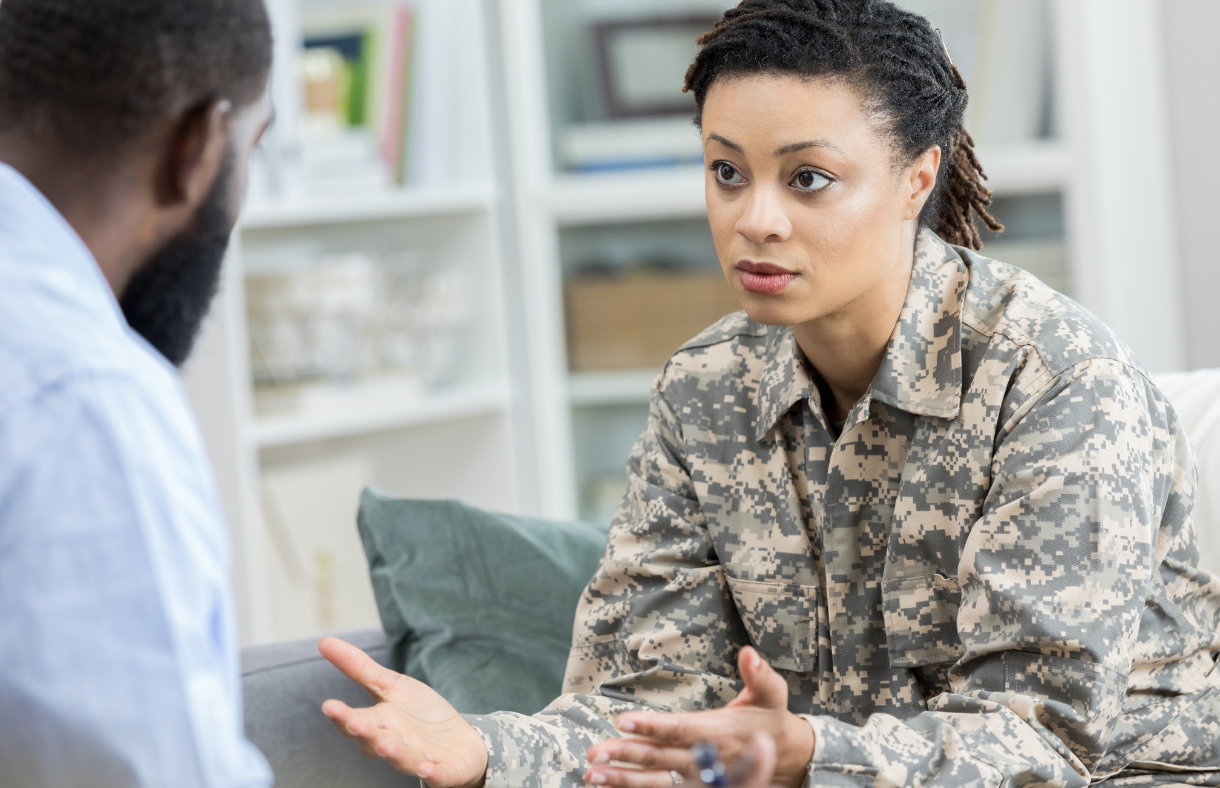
98, 75
136, 119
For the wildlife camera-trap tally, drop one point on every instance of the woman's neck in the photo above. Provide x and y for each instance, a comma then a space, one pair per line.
848, 346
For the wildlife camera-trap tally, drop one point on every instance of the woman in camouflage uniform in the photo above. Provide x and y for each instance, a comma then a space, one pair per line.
944, 504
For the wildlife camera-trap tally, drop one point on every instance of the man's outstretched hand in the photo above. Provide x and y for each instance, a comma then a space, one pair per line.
411, 726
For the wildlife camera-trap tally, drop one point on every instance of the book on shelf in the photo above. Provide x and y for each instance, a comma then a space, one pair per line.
394, 128
370, 81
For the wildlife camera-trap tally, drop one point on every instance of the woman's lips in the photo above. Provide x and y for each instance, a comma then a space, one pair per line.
764, 278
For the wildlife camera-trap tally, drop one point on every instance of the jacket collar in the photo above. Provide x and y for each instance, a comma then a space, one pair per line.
921, 372
786, 379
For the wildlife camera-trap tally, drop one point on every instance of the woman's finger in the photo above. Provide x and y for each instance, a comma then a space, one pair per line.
623, 777
368, 744
358, 666
389, 746
436, 775
381, 743
756, 767
763, 686
679, 730
339, 713
367, 734
646, 755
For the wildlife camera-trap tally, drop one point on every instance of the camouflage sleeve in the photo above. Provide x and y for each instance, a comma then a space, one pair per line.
1054, 578
656, 618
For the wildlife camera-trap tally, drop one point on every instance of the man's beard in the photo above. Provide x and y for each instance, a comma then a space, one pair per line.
170, 295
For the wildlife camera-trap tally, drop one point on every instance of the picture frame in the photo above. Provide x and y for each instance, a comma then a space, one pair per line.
643, 61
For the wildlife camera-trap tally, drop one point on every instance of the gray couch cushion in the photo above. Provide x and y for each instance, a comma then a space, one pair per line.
284, 685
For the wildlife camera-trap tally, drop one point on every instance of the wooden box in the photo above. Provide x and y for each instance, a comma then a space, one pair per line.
638, 320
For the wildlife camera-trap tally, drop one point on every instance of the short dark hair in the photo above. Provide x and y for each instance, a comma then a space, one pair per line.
892, 56
96, 75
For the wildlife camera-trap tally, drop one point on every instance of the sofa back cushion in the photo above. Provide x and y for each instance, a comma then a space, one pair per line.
479, 606
1196, 398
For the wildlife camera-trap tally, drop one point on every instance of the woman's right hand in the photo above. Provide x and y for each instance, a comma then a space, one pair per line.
411, 726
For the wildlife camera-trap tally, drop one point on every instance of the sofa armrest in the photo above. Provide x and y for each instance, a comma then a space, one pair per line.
284, 685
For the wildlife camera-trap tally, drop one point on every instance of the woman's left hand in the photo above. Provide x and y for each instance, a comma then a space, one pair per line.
663, 741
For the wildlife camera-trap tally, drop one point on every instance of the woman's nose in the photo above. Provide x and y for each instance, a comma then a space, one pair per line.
765, 220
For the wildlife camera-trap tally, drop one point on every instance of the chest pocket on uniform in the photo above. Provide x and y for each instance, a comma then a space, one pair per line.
781, 619
921, 620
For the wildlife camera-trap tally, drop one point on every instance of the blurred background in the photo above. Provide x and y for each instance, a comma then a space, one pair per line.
477, 231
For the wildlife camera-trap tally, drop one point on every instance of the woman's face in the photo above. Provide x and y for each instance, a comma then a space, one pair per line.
810, 214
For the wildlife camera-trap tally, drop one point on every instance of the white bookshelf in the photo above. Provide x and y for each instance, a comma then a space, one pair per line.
291, 460
627, 196
371, 408
1026, 168
628, 387
399, 203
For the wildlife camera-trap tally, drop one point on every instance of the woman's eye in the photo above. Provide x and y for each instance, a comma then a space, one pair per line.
810, 181
728, 175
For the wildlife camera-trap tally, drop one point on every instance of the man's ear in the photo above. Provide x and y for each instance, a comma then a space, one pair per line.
919, 180
195, 152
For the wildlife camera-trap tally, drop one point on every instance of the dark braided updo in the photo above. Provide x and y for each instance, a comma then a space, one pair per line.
892, 57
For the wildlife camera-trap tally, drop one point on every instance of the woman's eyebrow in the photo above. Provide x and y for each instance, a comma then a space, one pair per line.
800, 146
784, 151
725, 143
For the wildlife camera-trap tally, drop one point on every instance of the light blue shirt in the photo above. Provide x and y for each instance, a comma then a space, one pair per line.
118, 662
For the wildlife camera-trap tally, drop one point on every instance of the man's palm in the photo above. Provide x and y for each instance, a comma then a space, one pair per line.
411, 726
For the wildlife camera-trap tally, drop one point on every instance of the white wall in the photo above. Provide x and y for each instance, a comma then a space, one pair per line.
1193, 70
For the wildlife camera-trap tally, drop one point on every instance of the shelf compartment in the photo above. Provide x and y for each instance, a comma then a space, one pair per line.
644, 194
1026, 167
363, 409
402, 203
626, 387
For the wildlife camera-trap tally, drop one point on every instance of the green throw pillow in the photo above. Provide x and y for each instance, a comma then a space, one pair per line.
477, 605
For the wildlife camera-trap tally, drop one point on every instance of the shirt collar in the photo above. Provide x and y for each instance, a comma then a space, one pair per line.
785, 379
921, 372
31, 225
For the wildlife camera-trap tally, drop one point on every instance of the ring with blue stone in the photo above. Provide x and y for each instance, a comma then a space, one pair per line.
711, 768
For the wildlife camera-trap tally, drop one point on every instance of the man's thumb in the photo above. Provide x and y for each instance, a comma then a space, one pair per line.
764, 687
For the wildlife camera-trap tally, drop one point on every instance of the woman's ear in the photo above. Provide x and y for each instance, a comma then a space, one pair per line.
919, 180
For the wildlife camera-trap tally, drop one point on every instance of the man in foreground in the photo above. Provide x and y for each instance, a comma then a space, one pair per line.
126, 127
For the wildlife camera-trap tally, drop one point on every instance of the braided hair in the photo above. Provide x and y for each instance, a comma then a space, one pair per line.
96, 75
892, 57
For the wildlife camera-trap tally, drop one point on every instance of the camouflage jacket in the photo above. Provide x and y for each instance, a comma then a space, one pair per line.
989, 578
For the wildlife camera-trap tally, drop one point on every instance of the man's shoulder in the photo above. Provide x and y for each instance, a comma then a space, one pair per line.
69, 365
106, 442
1006, 301
135, 416
53, 334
